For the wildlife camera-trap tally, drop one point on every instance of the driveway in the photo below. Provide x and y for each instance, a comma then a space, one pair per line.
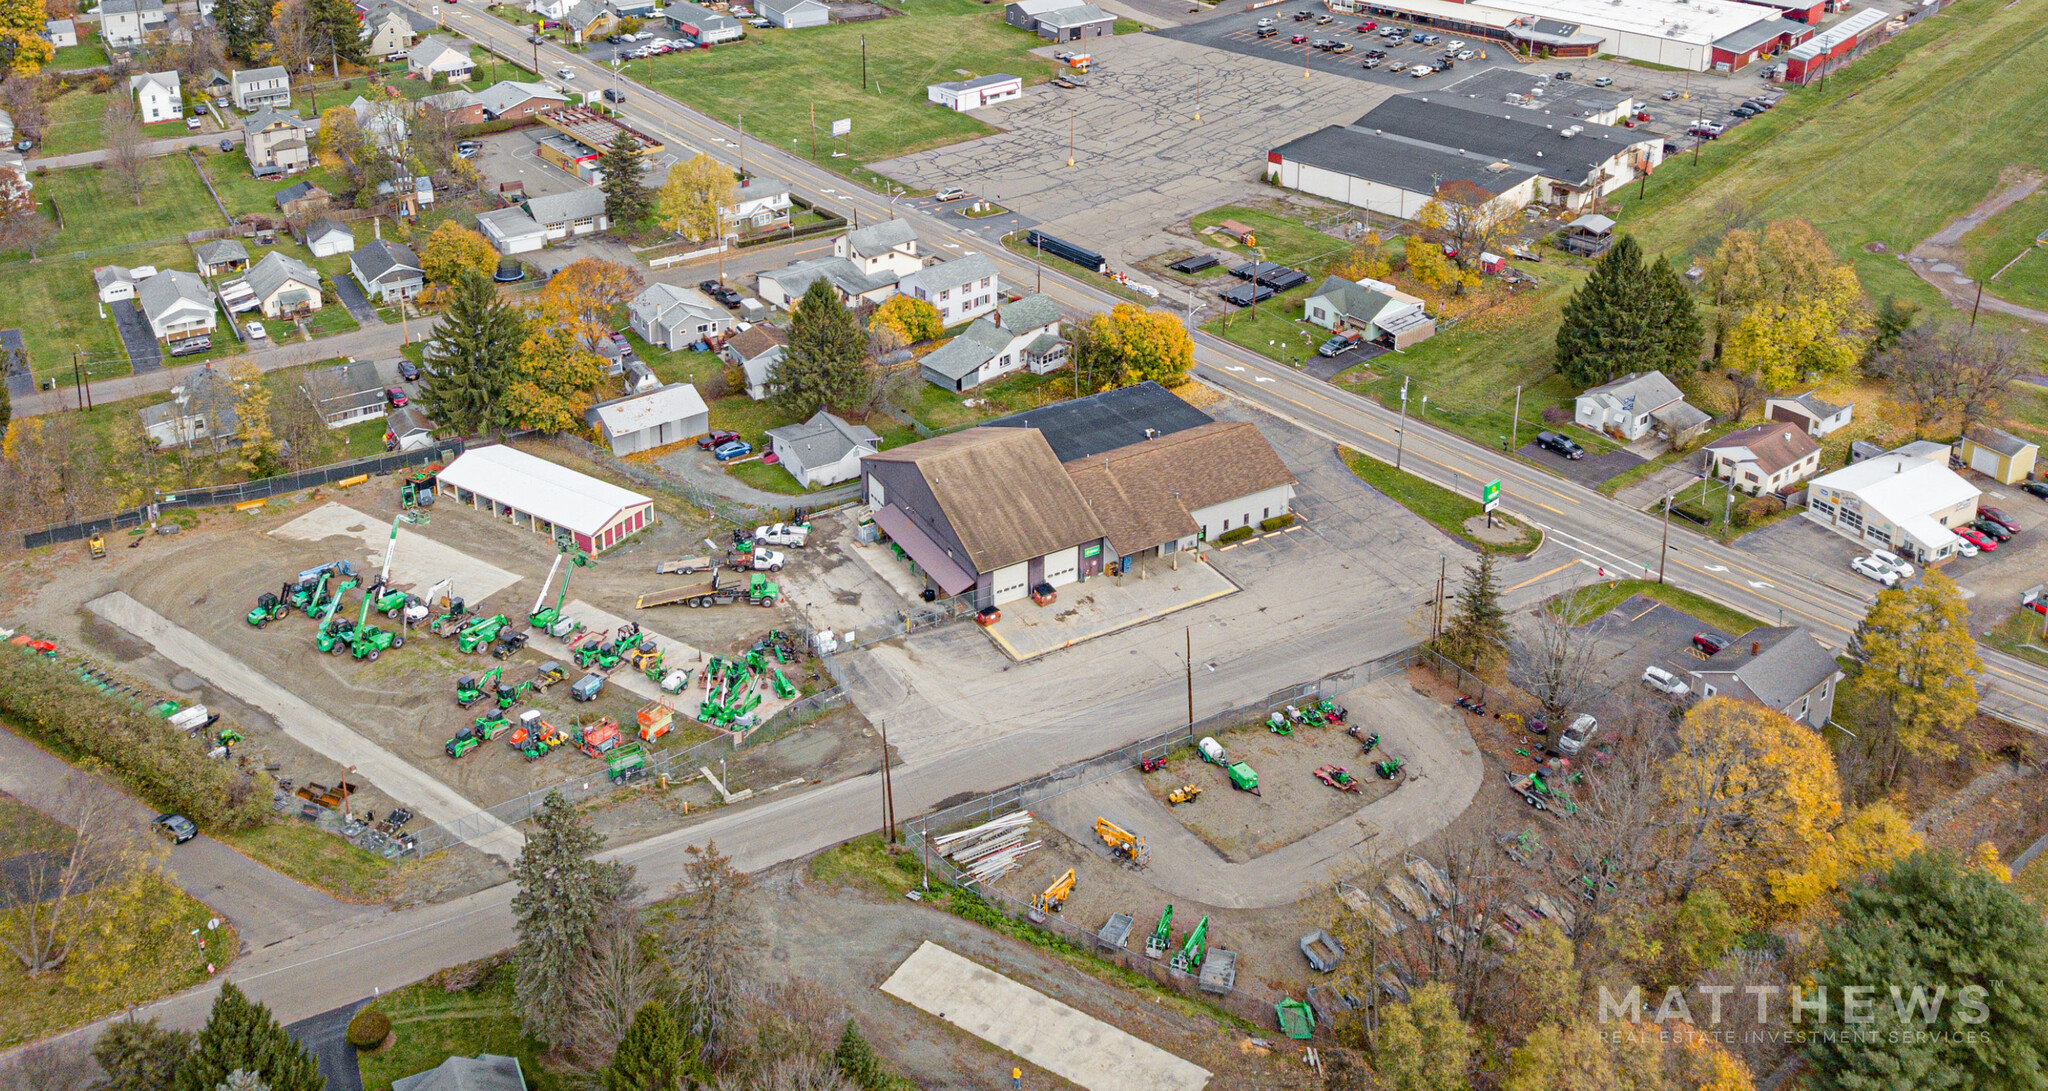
359, 306
326, 1036
698, 469
1327, 367
1590, 471
144, 354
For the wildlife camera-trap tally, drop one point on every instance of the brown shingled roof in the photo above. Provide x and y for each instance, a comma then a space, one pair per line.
1002, 491
1776, 445
755, 340
1143, 493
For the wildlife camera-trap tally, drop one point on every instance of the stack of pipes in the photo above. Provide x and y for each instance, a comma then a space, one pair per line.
991, 850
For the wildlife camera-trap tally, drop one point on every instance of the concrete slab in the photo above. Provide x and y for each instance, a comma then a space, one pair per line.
1104, 605
340, 743
1034, 1026
419, 562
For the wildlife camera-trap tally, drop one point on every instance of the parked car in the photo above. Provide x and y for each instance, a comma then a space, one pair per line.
468, 149
1455, 43
1995, 515
1299, 39
1340, 47
1335, 346
1869, 569
1421, 70
1965, 547
1665, 682
950, 193
408, 371
1976, 538
194, 124
1561, 445
1367, 27
1269, 32
1372, 62
256, 331
1266, 22
1710, 643
1325, 19
395, 396
2038, 488
1707, 130
783, 534
1899, 565
176, 827
1669, 94
1993, 529
1466, 54
726, 296
726, 452
1744, 112
1561, 75
199, 108
226, 145
716, 439
1603, 81
1573, 738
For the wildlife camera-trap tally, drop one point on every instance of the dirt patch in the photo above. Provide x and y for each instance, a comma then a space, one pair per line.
1293, 803
1941, 261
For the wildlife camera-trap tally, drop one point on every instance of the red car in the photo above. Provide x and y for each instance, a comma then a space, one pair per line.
395, 396
1298, 39
1367, 28
1709, 643
1976, 538
1999, 517
716, 439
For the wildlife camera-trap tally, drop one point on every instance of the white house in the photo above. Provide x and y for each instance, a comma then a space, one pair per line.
962, 289
759, 204
642, 422
1809, 411
1904, 501
408, 429
256, 87
824, 450
511, 230
383, 122
673, 317
387, 271
1771, 457
1627, 407
123, 22
783, 287
965, 95
1023, 334
437, 56
756, 350
889, 247
284, 286
179, 308
61, 33
563, 215
202, 406
1383, 312
794, 14
156, 97
552, 10
327, 238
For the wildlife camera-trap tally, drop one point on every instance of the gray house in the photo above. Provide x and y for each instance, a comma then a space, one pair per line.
755, 350
824, 450
348, 393
673, 316
1627, 408
1781, 668
202, 406
221, 256
642, 422
387, 271
483, 1072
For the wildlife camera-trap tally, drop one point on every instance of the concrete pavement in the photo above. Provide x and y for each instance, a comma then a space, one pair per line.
166, 146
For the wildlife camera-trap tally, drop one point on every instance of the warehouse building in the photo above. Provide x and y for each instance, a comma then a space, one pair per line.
1811, 59
541, 496
1906, 501
642, 422
1675, 33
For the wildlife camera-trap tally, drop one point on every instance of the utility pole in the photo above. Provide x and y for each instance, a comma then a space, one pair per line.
888, 789
863, 62
1401, 436
814, 131
77, 379
1070, 141
1974, 306
1436, 628
743, 141
1664, 547
1189, 659
1515, 428
1038, 247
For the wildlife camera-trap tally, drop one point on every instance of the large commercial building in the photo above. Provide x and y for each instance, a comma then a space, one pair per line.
531, 492
1907, 501
1696, 36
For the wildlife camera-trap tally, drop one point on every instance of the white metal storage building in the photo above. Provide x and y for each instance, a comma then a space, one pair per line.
545, 497
665, 415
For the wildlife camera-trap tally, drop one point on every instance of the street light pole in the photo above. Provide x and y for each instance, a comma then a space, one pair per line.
888, 789
1189, 659
1401, 435
1664, 547
1515, 428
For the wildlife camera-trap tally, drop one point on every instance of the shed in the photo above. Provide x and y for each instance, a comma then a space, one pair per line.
531, 492
1809, 411
794, 14
408, 429
2000, 456
642, 422
327, 238
221, 256
965, 95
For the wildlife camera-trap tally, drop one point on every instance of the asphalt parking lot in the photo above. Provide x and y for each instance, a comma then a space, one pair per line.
1591, 471
1239, 33
515, 157
1640, 633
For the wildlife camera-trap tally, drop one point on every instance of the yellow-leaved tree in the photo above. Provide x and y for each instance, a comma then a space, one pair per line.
696, 198
452, 249
1789, 309
1366, 260
1915, 684
554, 377
1422, 1045
258, 454
591, 293
21, 37
1132, 344
909, 318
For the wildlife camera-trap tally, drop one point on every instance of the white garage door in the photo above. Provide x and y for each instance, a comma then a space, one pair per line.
1984, 461
1010, 582
1060, 567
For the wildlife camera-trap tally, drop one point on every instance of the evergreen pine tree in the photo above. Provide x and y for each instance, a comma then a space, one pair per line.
242, 1034
822, 368
1477, 634
140, 1056
563, 893
469, 361
856, 1060
1606, 328
243, 23
1674, 319
627, 200
338, 29
655, 1055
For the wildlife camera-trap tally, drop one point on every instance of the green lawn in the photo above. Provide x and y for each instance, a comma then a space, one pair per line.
1287, 241
1447, 510
767, 478
314, 857
246, 194
2009, 235
76, 123
751, 419
88, 53
931, 41
942, 410
331, 319
98, 215
1592, 602
433, 1024
2020, 635
1276, 331
23, 829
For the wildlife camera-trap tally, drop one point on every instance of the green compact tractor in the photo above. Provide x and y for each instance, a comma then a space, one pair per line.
269, 608
469, 691
508, 695
371, 641
602, 656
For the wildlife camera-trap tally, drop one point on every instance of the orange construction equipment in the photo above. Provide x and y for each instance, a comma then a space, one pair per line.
655, 721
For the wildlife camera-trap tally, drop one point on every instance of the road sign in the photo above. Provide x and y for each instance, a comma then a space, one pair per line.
1490, 495
842, 127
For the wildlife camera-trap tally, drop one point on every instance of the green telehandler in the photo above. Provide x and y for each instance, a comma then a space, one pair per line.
1160, 941
544, 617
269, 608
469, 691
370, 641
482, 633
333, 630
1189, 958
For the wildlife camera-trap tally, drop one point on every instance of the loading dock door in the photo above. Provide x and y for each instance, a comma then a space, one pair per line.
1009, 582
1059, 567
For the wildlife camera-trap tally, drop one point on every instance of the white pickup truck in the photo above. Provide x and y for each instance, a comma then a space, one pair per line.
783, 534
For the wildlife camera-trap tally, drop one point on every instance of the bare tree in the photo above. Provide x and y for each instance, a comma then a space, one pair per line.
293, 34
709, 940
22, 97
22, 226
1746, 390
619, 976
51, 1065
794, 1018
1461, 945
1950, 370
299, 425
1472, 219
58, 890
790, 1074
125, 156
1556, 666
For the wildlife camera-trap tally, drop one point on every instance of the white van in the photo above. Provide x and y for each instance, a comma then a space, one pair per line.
1573, 739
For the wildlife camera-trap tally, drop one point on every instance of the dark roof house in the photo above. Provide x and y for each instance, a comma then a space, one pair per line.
483, 1072
1782, 668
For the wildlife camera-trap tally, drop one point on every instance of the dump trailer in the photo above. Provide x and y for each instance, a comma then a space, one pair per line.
719, 590
686, 566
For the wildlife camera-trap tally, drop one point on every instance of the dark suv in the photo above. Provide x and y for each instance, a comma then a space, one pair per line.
1562, 445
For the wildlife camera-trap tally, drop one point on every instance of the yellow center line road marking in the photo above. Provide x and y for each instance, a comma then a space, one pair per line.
1541, 578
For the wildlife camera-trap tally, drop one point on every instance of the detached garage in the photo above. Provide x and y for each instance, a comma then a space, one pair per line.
541, 496
665, 415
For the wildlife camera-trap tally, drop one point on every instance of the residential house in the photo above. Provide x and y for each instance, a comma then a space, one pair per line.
217, 86
275, 141
1628, 407
564, 215
704, 26
61, 33
459, 107
1164, 494
756, 350
512, 230
1023, 334
824, 450
202, 407
587, 21
794, 14
221, 257
2000, 456
672, 316
157, 97
284, 286
484, 1072
1075, 23
643, 422
962, 289
116, 283
783, 287
408, 429
643, 10
759, 204
387, 271
1385, 314
180, 310
1809, 411
1907, 501
326, 238
1783, 668
353, 392
889, 247
438, 56
636, 377
302, 199
389, 29
1771, 457
1590, 235
123, 23
511, 100
258, 87
964, 95
382, 123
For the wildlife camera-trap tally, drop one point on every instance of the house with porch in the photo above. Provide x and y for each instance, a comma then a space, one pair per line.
1384, 313
1022, 335
284, 286
1629, 407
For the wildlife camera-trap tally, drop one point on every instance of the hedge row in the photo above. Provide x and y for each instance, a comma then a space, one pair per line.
160, 763
1279, 522
1234, 534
